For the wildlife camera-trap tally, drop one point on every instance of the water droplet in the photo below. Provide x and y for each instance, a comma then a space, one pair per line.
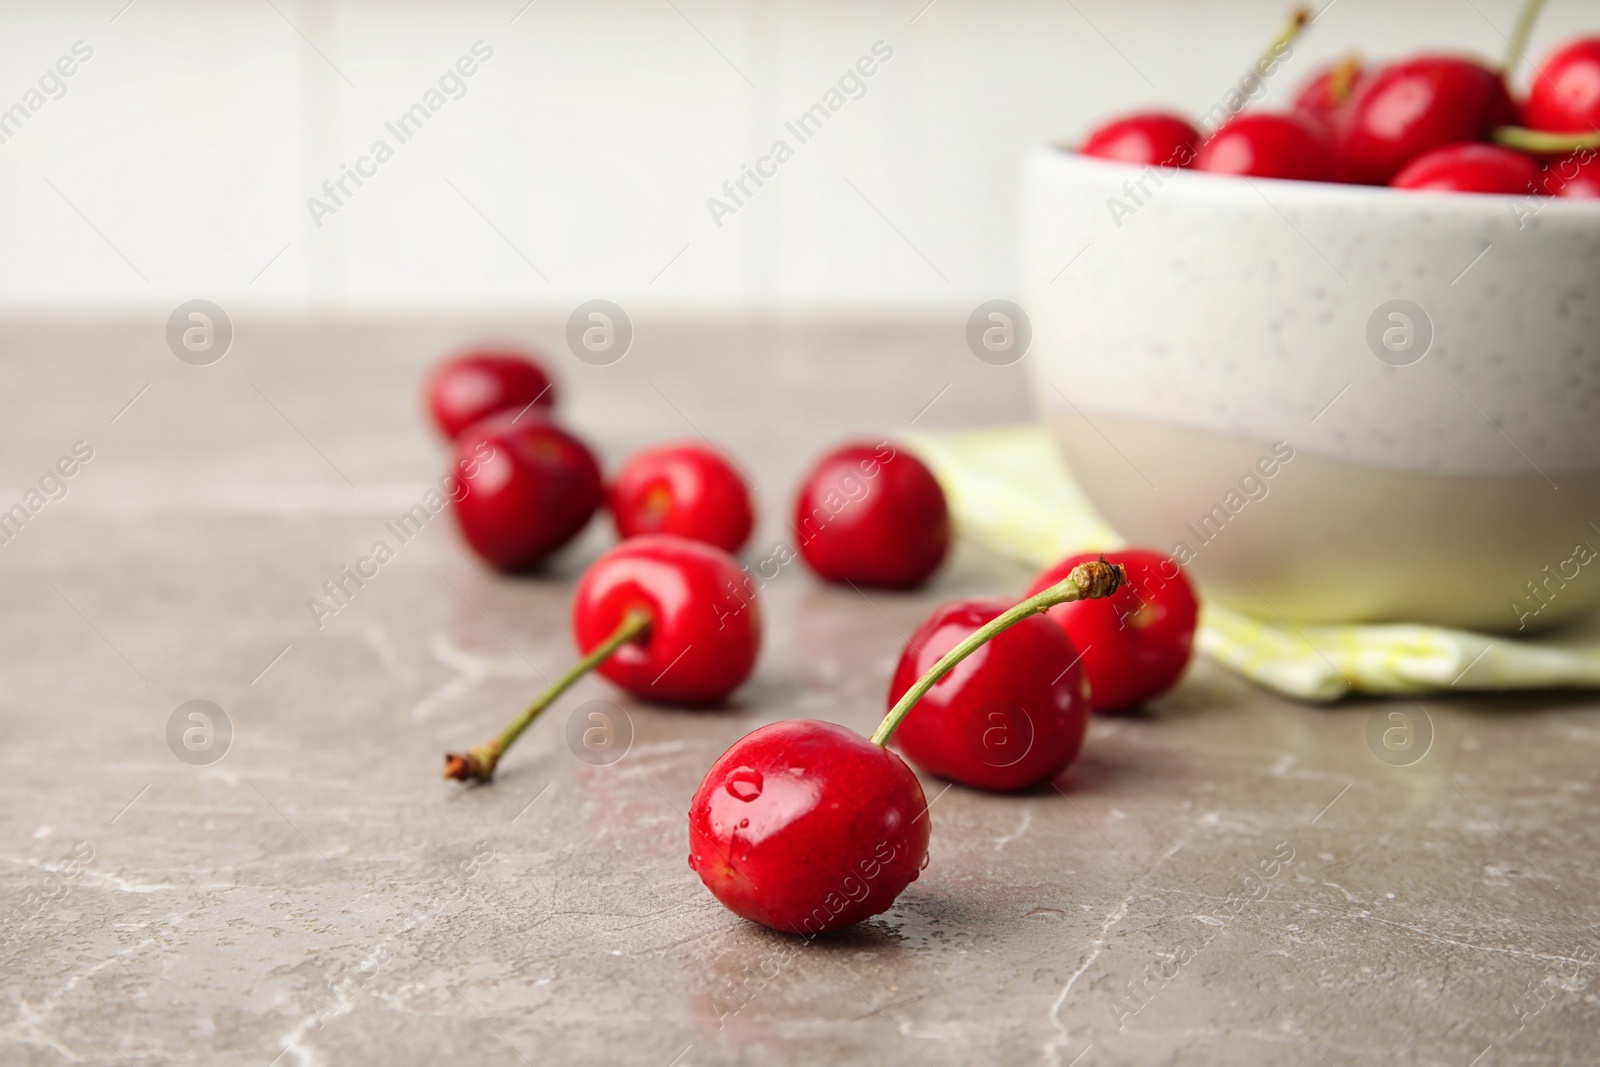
744, 784
925, 856
744, 824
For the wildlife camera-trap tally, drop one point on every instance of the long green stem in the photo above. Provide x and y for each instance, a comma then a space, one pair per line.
1520, 34
1544, 142
479, 764
1087, 581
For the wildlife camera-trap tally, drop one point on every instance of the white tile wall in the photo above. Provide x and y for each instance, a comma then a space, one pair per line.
578, 162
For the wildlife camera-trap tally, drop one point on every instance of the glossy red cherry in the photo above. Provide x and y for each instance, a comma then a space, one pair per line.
1135, 643
1151, 138
705, 624
1575, 176
1011, 715
1405, 109
658, 615
1265, 145
805, 827
1564, 94
529, 487
1470, 168
686, 489
1326, 94
872, 515
470, 387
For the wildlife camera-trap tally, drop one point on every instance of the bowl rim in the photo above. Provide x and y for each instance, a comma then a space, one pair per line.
1298, 191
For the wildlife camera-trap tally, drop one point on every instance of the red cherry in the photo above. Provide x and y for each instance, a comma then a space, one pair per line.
873, 515
1565, 93
658, 615
473, 386
1136, 642
1011, 715
705, 625
1326, 93
1264, 145
1415, 106
1470, 168
528, 488
1576, 176
686, 489
805, 827
1151, 138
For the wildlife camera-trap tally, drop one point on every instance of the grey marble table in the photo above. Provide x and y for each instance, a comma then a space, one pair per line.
1228, 878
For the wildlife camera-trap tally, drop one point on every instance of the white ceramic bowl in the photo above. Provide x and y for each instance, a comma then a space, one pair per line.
1222, 363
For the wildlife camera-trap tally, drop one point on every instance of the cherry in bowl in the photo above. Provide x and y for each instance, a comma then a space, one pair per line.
1261, 144
1325, 95
689, 489
1407, 108
1575, 176
1564, 95
1149, 138
1471, 168
477, 384
1137, 642
872, 514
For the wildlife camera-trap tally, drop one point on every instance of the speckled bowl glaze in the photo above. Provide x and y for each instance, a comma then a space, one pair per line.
1228, 372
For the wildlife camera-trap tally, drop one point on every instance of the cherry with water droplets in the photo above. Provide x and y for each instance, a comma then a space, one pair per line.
1136, 643
528, 488
1564, 95
1010, 716
1261, 144
1148, 138
872, 515
805, 827
477, 384
690, 490
1471, 168
1416, 105
705, 623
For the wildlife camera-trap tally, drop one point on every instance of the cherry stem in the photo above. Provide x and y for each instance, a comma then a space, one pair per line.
1291, 29
1520, 34
478, 764
1343, 78
1544, 142
1087, 581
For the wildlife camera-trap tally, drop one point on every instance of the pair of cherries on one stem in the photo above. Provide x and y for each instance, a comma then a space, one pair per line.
806, 826
1013, 715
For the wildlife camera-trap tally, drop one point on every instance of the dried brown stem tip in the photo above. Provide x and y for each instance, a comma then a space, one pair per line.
475, 766
1097, 578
